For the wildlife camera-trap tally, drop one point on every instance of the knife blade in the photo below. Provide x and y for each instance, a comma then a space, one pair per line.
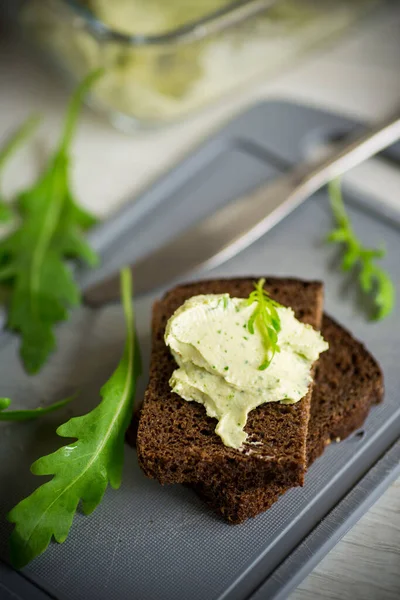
235, 226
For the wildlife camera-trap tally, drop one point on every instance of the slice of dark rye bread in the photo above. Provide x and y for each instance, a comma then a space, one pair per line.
348, 381
176, 440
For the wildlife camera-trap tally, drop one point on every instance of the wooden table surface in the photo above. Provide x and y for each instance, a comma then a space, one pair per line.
365, 564
361, 77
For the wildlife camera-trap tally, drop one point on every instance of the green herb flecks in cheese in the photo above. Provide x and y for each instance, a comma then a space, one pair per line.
221, 360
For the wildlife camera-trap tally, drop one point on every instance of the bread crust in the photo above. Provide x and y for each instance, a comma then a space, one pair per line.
348, 382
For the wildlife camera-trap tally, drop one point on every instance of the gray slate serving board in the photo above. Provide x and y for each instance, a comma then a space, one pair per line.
161, 543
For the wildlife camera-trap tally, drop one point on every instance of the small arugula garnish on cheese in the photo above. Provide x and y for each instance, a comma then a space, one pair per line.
372, 278
265, 317
82, 469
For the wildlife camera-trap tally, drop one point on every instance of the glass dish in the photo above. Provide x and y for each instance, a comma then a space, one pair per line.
166, 59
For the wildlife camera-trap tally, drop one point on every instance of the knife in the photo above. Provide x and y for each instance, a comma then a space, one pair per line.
238, 224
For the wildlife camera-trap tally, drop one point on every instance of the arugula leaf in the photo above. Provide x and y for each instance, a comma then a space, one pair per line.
372, 279
29, 414
33, 257
266, 318
12, 144
82, 469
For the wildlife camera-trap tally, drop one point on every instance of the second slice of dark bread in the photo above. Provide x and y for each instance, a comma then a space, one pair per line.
176, 440
348, 381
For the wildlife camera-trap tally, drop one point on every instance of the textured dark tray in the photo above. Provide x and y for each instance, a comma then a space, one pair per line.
153, 543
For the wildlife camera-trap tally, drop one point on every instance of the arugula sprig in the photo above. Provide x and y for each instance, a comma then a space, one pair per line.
266, 318
9, 148
33, 257
82, 469
372, 278
29, 414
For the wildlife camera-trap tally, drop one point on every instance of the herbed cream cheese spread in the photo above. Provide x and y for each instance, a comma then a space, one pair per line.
219, 360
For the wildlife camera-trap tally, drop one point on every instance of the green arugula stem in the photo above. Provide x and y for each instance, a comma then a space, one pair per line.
18, 138
9, 148
46, 232
372, 279
75, 106
56, 184
30, 414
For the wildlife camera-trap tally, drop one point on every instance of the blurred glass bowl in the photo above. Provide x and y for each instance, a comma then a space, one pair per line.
165, 60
